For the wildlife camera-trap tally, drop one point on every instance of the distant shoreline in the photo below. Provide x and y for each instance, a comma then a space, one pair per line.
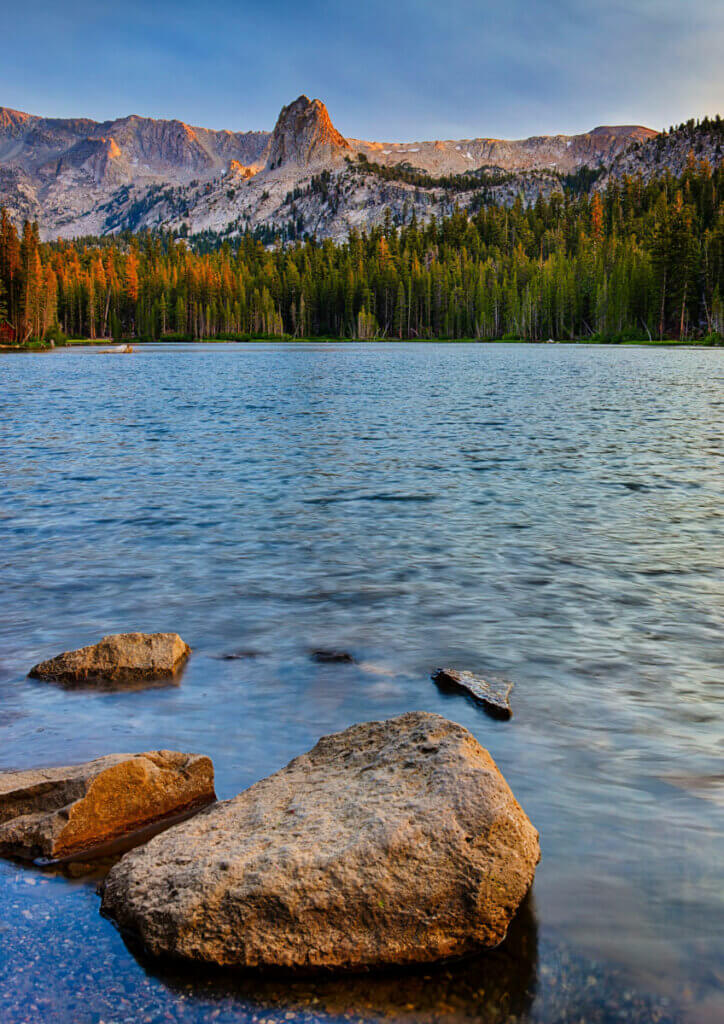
93, 342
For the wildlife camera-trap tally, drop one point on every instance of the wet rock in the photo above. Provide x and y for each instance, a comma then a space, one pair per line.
123, 658
243, 655
394, 842
492, 987
492, 695
331, 657
84, 811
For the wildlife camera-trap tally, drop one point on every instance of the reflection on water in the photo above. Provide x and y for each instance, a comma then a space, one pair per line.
489, 988
550, 515
60, 960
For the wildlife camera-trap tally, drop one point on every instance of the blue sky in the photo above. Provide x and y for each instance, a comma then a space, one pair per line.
387, 69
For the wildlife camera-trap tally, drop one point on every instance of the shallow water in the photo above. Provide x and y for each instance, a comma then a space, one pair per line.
550, 514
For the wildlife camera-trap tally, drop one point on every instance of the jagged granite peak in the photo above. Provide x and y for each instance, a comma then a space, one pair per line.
304, 135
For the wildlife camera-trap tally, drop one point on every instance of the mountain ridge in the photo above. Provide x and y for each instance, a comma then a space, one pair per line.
78, 176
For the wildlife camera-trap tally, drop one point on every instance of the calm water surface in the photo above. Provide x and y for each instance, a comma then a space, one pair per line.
551, 514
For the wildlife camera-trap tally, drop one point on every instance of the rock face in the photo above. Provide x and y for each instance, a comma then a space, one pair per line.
76, 812
493, 696
304, 135
118, 659
394, 842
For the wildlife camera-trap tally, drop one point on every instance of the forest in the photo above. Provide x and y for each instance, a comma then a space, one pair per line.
636, 260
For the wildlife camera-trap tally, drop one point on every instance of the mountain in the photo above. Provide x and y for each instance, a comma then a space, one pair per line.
146, 149
78, 177
563, 153
304, 136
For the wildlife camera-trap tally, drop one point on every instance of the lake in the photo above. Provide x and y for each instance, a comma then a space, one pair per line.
549, 514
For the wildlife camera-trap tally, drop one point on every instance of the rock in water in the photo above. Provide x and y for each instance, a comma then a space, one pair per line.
76, 812
492, 695
325, 656
117, 659
394, 842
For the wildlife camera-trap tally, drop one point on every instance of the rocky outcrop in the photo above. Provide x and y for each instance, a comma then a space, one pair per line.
85, 810
491, 695
394, 842
305, 136
123, 658
99, 158
238, 171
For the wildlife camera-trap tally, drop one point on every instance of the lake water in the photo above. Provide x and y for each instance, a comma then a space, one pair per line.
551, 514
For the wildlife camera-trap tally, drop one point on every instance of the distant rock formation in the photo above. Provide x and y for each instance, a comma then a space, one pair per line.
78, 177
154, 150
305, 136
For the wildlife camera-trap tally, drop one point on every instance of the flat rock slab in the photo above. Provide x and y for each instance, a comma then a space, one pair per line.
394, 842
81, 811
492, 695
123, 658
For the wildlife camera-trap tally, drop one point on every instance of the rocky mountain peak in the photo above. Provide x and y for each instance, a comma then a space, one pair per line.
304, 135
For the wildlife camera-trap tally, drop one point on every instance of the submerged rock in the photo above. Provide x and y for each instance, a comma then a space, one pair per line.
494, 696
85, 810
394, 842
324, 656
243, 655
123, 658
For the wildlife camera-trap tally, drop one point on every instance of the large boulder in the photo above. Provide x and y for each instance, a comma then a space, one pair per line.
118, 659
394, 842
81, 811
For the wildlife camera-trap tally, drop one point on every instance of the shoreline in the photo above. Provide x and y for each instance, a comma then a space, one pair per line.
95, 342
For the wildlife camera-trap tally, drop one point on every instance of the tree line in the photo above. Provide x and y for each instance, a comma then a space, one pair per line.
636, 260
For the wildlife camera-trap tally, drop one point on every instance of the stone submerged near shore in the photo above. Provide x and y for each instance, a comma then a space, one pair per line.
492, 695
122, 659
90, 810
391, 843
